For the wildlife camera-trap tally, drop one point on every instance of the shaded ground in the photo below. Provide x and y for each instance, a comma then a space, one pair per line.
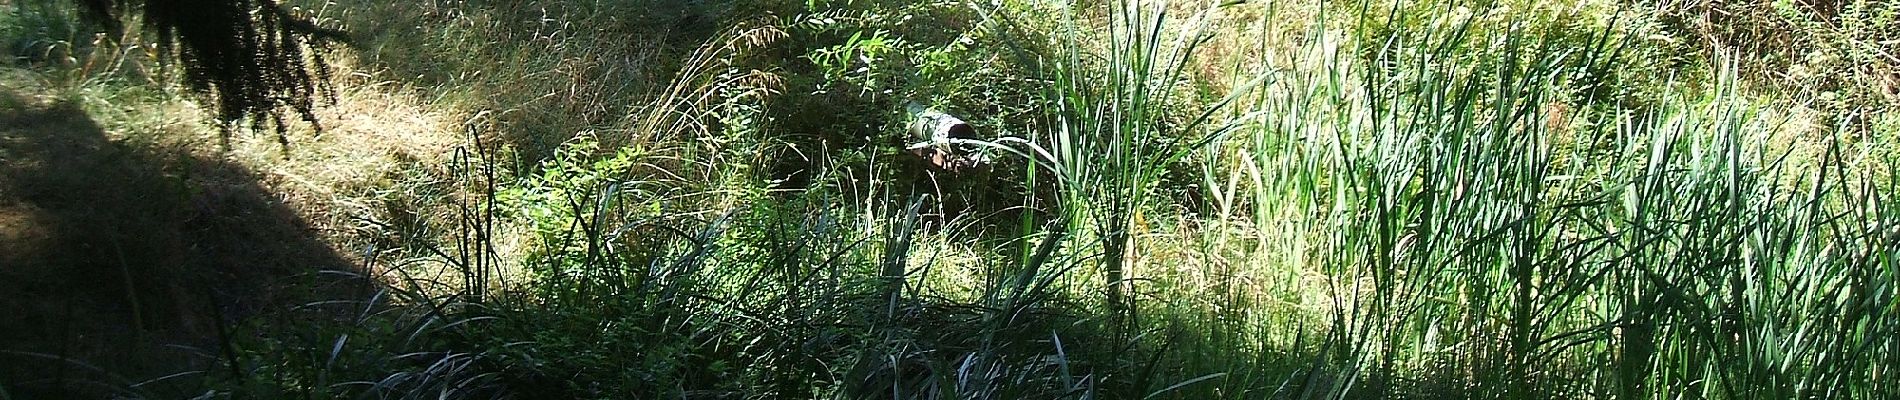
119, 263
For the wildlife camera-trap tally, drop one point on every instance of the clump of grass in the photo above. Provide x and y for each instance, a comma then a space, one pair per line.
1457, 236
547, 72
1834, 55
1111, 133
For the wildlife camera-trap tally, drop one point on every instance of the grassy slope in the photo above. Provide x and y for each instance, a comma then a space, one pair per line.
1286, 267
120, 245
133, 241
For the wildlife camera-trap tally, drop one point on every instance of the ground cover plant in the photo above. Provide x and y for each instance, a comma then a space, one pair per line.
1280, 199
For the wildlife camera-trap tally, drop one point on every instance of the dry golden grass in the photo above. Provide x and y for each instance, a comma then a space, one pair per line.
382, 150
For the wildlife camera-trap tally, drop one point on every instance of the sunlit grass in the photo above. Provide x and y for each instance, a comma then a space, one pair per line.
1225, 201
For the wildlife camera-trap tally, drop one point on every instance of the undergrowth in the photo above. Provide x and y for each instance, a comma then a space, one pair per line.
1291, 200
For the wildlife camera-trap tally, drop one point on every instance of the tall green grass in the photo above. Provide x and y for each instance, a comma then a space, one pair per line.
1443, 211
1470, 246
1436, 208
1112, 126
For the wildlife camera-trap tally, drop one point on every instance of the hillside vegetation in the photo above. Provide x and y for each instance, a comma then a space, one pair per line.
1280, 199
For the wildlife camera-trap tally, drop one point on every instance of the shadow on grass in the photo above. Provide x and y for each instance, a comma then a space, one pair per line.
120, 263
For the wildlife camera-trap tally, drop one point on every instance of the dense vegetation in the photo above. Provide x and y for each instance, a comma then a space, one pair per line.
672, 199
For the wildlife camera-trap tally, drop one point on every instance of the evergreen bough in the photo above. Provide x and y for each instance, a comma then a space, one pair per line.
248, 57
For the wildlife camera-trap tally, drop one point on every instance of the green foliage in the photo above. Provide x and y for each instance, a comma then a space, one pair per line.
40, 31
1464, 243
1846, 58
50, 34
1111, 135
1837, 56
1578, 26
856, 65
1421, 200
